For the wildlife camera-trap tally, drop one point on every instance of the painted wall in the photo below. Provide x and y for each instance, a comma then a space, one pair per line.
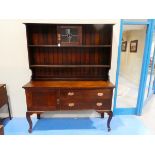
14, 69
131, 63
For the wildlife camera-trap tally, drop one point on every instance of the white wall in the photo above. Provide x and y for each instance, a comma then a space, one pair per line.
14, 69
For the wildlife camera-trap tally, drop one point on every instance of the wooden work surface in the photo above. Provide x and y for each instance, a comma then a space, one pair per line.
69, 84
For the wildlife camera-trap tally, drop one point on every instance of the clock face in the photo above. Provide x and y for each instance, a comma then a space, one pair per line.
70, 35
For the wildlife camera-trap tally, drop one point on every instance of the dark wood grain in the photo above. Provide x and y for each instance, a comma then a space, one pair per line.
94, 50
61, 59
52, 98
3, 95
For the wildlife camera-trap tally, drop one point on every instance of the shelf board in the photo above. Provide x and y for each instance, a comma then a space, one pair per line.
69, 46
43, 78
69, 66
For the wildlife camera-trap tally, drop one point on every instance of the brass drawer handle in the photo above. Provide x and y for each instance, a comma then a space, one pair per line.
99, 104
70, 93
71, 104
100, 94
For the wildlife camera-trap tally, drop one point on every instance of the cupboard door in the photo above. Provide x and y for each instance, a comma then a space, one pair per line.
42, 99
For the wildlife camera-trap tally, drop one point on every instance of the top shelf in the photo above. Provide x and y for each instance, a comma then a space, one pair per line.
69, 46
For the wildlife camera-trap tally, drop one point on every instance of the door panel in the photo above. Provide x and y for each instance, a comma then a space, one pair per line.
42, 99
133, 43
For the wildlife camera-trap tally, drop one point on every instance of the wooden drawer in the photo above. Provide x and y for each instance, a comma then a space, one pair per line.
86, 93
102, 104
97, 104
77, 104
69, 104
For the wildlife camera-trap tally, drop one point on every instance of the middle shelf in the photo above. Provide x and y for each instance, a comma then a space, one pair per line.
85, 46
68, 66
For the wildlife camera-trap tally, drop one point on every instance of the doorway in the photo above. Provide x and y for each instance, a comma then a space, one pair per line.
134, 48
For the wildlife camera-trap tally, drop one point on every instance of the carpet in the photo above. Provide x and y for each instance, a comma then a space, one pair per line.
120, 125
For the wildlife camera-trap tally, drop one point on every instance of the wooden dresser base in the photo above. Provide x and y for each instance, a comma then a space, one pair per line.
29, 113
68, 95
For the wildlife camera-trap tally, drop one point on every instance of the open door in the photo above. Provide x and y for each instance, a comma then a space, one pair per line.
132, 61
150, 83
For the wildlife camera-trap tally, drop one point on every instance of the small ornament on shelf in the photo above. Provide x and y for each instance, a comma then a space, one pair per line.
59, 39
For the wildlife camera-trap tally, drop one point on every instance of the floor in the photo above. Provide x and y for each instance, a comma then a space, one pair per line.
148, 115
127, 93
120, 125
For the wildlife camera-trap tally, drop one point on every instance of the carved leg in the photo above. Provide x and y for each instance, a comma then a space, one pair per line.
110, 113
28, 117
38, 116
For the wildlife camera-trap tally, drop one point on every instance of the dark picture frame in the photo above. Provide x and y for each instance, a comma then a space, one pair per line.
133, 46
124, 46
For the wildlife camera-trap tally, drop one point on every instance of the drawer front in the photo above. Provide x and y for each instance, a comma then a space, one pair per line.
96, 104
86, 93
41, 99
77, 104
102, 104
69, 104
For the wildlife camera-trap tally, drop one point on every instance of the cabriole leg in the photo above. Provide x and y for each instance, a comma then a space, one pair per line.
110, 113
28, 117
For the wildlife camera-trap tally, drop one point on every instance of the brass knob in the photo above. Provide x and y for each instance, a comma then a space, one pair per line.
99, 104
70, 93
99, 94
71, 104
